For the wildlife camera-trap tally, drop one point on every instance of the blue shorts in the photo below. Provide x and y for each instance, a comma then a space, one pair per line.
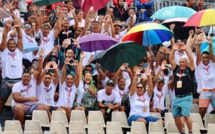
182, 106
136, 117
29, 109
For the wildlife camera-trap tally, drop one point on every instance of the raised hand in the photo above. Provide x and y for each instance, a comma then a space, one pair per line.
55, 66
97, 65
191, 32
17, 23
124, 66
209, 40
137, 73
182, 46
47, 67
10, 6
163, 65
148, 72
82, 55
176, 46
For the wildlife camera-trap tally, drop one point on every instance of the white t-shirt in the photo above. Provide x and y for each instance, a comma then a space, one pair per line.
46, 94
80, 24
178, 55
11, 63
138, 103
66, 95
26, 91
207, 74
159, 98
120, 35
113, 98
47, 43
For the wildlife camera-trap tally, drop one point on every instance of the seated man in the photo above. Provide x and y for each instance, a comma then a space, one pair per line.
108, 99
24, 96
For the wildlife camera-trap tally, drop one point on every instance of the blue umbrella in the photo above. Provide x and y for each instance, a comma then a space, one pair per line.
205, 47
173, 12
28, 47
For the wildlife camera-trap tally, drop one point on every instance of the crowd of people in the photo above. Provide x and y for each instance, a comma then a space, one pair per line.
60, 76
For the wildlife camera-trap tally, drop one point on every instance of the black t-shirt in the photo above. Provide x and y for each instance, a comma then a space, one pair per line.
66, 34
186, 78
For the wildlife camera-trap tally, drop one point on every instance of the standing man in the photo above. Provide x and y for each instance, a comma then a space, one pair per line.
183, 81
11, 55
206, 69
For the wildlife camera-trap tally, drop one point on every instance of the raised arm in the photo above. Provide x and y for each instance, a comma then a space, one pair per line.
79, 70
76, 21
172, 56
63, 77
4, 35
56, 72
134, 83
189, 54
17, 25
150, 83
198, 51
211, 54
39, 66
58, 24
101, 73
162, 68
117, 74
39, 81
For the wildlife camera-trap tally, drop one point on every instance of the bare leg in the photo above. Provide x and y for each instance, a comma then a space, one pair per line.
179, 124
121, 108
103, 112
202, 111
2, 103
161, 121
46, 108
68, 112
188, 121
19, 113
142, 120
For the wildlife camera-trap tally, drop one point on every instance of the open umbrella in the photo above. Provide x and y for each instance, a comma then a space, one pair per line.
28, 47
4, 13
173, 20
96, 4
202, 18
124, 52
46, 2
148, 34
205, 46
96, 42
173, 12
97, 58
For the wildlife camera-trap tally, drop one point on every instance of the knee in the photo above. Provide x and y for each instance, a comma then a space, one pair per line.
161, 121
80, 108
142, 120
19, 109
43, 107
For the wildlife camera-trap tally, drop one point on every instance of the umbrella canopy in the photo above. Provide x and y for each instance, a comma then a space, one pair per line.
202, 18
96, 4
4, 13
173, 12
175, 20
28, 47
97, 58
96, 42
205, 47
148, 34
46, 2
125, 52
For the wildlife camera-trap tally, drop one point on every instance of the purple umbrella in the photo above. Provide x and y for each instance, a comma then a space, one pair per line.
96, 42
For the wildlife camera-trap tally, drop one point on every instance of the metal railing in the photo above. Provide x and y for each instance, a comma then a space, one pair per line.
158, 4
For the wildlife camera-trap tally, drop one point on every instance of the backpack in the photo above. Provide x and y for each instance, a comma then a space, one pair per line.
193, 80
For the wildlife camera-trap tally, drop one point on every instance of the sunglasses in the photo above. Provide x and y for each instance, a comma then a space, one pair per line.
139, 87
29, 27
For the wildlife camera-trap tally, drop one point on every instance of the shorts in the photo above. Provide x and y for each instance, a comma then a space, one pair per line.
5, 91
136, 117
207, 97
29, 109
53, 108
182, 106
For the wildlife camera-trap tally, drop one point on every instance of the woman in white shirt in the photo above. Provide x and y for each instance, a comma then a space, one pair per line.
140, 100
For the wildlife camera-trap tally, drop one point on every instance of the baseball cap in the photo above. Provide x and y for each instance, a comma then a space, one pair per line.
160, 80
110, 82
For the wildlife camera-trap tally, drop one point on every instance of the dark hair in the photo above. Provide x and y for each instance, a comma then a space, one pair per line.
48, 73
26, 71
205, 52
106, 32
69, 48
143, 84
78, 11
95, 22
166, 71
11, 39
70, 74
27, 23
51, 12
30, 14
89, 30
120, 79
66, 6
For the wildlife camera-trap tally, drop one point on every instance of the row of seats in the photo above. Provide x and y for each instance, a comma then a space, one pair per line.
77, 127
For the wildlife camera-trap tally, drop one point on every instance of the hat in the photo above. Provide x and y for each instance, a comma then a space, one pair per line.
110, 82
160, 80
117, 23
